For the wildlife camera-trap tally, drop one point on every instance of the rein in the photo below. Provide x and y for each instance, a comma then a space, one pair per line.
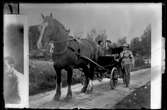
63, 40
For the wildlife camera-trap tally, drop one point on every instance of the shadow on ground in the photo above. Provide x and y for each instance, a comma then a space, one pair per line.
138, 99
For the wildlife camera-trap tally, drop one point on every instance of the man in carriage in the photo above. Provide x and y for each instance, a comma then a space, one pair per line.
100, 48
127, 60
100, 51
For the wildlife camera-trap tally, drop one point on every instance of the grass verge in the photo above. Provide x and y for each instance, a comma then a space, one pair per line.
138, 99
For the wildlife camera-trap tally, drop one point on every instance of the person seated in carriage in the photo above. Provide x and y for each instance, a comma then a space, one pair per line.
126, 59
100, 53
100, 48
108, 48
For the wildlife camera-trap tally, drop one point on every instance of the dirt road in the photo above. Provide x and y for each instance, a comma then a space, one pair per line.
102, 96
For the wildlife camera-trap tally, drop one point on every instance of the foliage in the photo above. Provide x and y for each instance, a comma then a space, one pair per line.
78, 35
122, 41
96, 36
138, 61
92, 35
141, 46
33, 36
101, 37
136, 46
43, 76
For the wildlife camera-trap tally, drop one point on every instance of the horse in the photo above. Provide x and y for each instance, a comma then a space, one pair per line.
67, 53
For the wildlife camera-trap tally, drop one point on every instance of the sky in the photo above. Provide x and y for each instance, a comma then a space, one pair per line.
118, 20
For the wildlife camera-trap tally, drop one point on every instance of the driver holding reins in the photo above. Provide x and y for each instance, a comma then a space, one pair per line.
127, 60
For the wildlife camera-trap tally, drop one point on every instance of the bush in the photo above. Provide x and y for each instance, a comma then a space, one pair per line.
139, 62
42, 76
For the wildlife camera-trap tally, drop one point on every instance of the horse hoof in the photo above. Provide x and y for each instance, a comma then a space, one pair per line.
83, 90
68, 97
57, 97
89, 91
127, 86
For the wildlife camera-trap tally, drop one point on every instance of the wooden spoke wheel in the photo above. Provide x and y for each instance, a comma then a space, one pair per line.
113, 78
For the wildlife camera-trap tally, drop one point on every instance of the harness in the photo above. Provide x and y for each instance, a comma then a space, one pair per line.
77, 52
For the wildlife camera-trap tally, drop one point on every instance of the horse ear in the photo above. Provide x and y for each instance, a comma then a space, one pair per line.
42, 16
51, 15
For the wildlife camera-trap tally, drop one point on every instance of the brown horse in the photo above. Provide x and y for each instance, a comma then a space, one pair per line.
66, 53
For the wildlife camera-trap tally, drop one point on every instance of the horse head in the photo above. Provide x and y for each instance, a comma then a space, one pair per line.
50, 30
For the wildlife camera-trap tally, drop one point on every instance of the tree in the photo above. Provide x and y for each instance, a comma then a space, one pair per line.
78, 35
92, 34
142, 47
33, 36
135, 46
146, 42
121, 41
101, 37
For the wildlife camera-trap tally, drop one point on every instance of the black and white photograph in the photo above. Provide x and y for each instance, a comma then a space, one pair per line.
95, 55
15, 81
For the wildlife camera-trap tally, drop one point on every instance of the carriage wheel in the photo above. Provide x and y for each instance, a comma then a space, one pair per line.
113, 78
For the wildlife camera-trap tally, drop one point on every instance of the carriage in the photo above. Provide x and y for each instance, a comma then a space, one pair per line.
109, 65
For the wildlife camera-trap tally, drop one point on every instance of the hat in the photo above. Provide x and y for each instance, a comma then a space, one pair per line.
125, 45
99, 41
108, 41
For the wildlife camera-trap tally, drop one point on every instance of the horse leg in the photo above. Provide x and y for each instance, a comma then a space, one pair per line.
58, 84
69, 80
91, 76
86, 81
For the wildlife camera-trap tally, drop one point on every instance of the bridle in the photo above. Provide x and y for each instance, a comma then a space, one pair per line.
60, 41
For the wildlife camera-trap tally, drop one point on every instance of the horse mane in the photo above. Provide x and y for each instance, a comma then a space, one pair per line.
60, 25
